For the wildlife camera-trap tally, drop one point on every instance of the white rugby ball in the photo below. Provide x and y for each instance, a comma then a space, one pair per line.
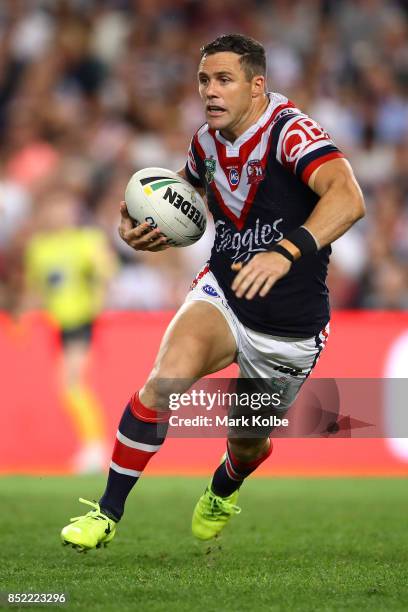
165, 200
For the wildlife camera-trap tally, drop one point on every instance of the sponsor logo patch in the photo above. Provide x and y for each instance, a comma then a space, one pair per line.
300, 135
234, 177
241, 246
210, 291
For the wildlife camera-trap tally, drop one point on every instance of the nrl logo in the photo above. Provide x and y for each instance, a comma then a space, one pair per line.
210, 165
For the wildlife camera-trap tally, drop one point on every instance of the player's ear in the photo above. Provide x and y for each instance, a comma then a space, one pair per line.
258, 85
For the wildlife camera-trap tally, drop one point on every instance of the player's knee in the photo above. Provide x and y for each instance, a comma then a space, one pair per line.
174, 372
183, 360
158, 388
155, 394
248, 449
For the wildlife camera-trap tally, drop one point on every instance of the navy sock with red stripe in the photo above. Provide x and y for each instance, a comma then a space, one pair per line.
230, 475
140, 435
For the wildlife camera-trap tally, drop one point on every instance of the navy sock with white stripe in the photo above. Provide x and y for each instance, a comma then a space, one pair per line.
140, 435
230, 475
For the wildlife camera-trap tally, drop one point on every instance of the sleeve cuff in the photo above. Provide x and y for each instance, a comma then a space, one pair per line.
196, 182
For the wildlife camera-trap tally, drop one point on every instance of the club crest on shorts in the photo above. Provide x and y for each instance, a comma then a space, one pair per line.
210, 291
255, 172
210, 166
280, 384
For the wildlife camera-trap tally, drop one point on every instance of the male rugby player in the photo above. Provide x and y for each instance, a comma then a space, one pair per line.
280, 192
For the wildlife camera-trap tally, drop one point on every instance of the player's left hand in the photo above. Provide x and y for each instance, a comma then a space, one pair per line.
259, 275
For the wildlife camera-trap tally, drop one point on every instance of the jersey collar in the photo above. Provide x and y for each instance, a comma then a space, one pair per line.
263, 119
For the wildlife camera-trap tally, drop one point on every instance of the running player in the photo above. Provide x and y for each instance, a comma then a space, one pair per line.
280, 192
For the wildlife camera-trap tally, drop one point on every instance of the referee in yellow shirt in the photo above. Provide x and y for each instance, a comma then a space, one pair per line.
67, 271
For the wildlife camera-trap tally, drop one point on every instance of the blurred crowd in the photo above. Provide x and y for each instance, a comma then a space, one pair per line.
93, 90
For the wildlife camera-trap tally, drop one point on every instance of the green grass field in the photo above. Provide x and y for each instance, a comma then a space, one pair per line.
302, 545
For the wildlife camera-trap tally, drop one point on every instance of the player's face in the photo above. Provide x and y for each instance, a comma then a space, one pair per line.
227, 94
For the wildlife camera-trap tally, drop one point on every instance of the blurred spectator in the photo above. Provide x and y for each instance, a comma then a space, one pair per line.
388, 287
31, 159
91, 91
67, 270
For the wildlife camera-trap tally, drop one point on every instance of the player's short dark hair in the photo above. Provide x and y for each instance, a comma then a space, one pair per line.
253, 60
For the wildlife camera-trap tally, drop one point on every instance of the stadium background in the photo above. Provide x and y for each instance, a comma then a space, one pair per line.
92, 91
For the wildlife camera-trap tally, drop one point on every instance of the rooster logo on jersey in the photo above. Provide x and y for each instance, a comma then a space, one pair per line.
255, 172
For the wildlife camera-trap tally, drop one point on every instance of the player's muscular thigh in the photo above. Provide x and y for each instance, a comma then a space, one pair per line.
197, 342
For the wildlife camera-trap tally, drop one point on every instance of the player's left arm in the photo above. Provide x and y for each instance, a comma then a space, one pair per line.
341, 204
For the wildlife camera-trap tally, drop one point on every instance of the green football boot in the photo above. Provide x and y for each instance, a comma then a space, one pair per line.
212, 512
91, 530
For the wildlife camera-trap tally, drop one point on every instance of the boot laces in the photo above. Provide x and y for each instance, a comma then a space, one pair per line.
220, 506
95, 513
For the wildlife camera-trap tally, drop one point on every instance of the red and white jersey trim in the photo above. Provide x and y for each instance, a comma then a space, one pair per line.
233, 184
191, 163
235, 170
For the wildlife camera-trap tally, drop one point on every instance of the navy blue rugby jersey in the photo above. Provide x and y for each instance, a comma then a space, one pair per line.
257, 192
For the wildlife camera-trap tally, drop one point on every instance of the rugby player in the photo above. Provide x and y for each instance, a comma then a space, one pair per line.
280, 192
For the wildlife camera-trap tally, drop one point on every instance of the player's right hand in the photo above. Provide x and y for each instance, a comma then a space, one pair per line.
141, 237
